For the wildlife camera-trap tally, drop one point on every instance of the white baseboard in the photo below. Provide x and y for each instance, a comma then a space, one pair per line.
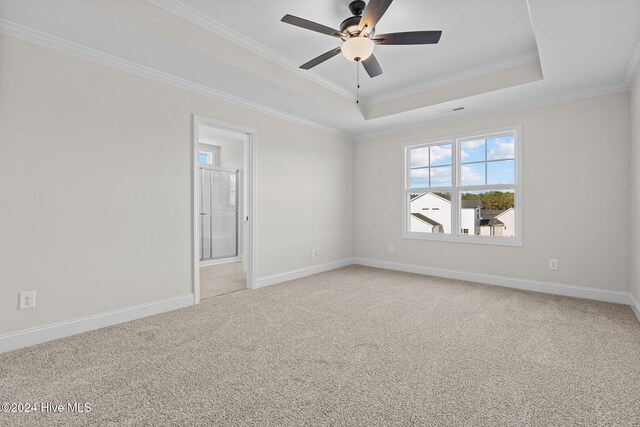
507, 282
27, 337
633, 302
220, 261
296, 274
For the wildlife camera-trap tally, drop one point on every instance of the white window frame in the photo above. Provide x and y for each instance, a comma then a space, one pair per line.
455, 190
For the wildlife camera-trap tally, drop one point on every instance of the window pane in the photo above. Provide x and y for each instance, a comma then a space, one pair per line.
419, 178
441, 155
472, 174
441, 176
419, 157
203, 158
472, 151
430, 212
488, 213
501, 147
501, 172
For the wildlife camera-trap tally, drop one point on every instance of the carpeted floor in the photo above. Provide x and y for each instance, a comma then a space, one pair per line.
354, 346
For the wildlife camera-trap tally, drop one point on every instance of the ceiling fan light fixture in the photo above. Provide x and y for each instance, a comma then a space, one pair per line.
357, 49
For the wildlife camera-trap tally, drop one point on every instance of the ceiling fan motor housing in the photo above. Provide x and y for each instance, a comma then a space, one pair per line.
357, 7
350, 25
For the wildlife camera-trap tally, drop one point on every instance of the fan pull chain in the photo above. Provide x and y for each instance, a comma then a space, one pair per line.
357, 82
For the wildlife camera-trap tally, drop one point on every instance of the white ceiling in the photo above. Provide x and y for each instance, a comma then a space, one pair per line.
475, 33
239, 51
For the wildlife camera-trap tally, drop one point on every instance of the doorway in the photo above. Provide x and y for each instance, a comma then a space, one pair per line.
224, 208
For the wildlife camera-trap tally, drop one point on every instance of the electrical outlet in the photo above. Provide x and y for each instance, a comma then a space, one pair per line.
553, 264
26, 300
392, 248
317, 251
313, 251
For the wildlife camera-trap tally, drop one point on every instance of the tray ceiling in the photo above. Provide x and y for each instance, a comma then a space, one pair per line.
475, 34
494, 55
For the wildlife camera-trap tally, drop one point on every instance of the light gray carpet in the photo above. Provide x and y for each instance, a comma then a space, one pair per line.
354, 346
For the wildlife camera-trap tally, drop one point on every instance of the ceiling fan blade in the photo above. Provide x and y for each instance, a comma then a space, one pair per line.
372, 66
320, 59
372, 13
410, 37
310, 25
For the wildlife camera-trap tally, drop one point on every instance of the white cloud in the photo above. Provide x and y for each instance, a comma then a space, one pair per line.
419, 178
420, 157
441, 176
502, 148
468, 146
475, 143
441, 152
470, 176
420, 173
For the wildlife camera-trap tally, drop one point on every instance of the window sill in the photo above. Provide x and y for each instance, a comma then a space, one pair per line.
475, 240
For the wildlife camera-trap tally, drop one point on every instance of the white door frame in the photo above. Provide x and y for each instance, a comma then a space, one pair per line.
250, 210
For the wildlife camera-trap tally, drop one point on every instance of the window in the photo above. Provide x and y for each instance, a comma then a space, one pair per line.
469, 183
205, 158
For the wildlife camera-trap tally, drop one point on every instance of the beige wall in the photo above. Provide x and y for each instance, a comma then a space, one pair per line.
232, 155
95, 175
635, 185
95, 184
576, 197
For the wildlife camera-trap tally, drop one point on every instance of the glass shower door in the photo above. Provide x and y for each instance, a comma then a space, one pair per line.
218, 213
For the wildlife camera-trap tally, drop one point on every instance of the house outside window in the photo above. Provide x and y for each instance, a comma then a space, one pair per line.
465, 188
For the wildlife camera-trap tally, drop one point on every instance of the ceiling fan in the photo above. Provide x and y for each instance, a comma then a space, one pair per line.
358, 35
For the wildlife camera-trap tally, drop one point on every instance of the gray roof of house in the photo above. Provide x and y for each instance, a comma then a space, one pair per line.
471, 203
492, 222
490, 213
432, 193
426, 219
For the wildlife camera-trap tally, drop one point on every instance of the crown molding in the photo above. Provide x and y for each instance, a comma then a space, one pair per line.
453, 78
65, 46
44, 39
183, 11
558, 99
633, 66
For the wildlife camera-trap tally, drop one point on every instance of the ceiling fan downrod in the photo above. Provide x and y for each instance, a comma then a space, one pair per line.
357, 82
